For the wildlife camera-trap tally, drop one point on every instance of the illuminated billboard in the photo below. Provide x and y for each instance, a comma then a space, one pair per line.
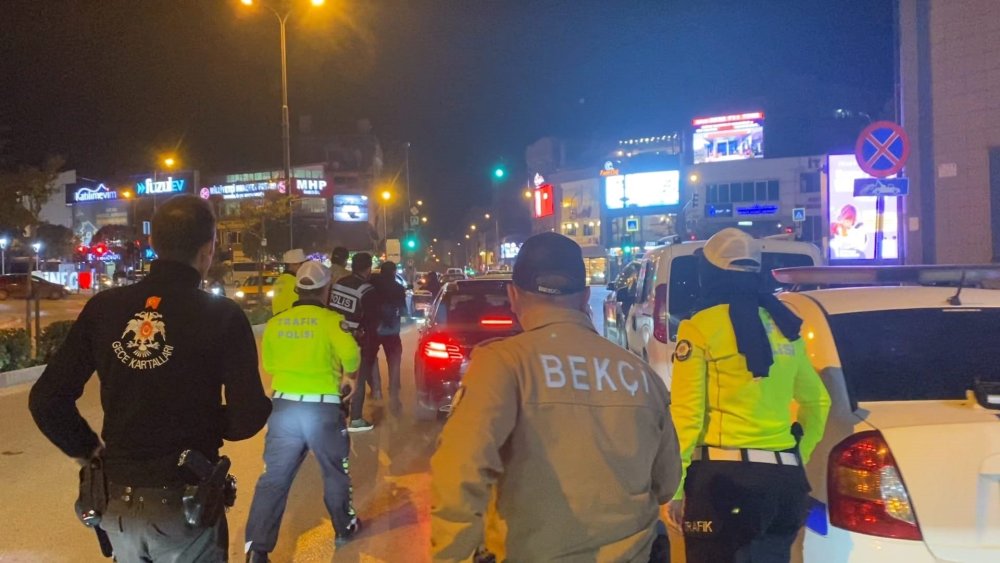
544, 201
645, 189
853, 219
728, 137
350, 208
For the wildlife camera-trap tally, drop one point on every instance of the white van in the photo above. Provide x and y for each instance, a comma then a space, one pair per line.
668, 287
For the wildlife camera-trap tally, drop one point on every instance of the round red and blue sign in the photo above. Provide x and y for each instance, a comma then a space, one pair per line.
882, 149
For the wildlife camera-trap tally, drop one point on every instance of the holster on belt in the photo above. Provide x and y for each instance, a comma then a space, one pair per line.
205, 502
92, 501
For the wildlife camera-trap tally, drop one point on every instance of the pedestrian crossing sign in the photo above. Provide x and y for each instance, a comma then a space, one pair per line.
799, 214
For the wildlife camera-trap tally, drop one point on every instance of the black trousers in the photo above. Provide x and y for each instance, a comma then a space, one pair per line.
369, 361
150, 527
392, 346
742, 511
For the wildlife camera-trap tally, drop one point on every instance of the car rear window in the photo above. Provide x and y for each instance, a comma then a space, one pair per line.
255, 280
471, 306
684, 278
916, 354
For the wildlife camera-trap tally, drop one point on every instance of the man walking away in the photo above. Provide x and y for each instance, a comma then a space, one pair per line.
560, 438
284, 286
392, 303
166, 354
313, 363
357, 300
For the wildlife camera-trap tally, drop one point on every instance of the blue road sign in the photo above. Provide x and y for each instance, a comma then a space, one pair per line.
799, 214
882, 149
880, 187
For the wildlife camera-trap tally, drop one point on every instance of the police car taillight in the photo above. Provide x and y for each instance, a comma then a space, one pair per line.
661, 315
866, 490
442, 350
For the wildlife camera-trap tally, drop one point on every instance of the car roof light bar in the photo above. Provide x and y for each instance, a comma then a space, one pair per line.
951, 275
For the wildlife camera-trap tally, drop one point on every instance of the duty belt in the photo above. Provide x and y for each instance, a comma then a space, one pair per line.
308, 398
711, 453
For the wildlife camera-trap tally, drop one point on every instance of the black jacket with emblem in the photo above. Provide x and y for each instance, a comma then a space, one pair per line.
356, 299
165, 352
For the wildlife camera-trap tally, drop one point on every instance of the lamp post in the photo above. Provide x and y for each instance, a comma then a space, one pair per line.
3, 255
386, 196
285, 127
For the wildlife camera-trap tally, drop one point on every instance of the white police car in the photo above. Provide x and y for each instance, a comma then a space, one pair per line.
909, 466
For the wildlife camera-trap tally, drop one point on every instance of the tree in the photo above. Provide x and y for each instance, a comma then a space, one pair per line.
27, 189
259, 216
57, 241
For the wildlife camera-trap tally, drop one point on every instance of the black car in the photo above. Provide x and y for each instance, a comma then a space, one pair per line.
16, 286
465, 313
619, 301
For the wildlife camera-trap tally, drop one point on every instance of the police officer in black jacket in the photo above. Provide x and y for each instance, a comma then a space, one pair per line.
165, 352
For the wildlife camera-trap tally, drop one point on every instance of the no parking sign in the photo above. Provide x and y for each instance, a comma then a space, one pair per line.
882, 149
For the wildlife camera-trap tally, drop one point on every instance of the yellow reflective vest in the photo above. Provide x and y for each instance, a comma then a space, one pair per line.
284, 293
716, 401
307, 352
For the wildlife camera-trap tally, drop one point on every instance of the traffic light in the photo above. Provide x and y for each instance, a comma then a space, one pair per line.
410, 242
499, 172
694, 199
627, 245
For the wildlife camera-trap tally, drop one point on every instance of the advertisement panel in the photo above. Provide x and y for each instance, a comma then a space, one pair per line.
728, 137
544, 201
853, 219
350, 207
242, 190
645, 189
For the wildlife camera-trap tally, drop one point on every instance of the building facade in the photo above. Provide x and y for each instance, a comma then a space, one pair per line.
949, 80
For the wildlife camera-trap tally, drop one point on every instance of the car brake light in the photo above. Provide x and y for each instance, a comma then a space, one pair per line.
496, 321
660, 314
442, 350
866, 490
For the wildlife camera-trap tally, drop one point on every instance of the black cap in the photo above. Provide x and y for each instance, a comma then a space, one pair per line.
550, 264
339, 254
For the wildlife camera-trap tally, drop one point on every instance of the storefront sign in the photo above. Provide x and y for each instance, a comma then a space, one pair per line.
544, 201
169, 185
610, 169
757, 210
242, 191
311, 187
645, 189
509, 250
80, 193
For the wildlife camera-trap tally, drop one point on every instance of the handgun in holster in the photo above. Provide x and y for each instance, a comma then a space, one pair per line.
92, 502
215, 492
798, 432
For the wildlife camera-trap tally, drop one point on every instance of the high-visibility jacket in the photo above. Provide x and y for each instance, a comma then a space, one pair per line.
716, 401
306, 351
284, 293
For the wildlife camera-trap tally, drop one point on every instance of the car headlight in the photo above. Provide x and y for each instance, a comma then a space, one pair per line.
216, 291
270, 293
240, 295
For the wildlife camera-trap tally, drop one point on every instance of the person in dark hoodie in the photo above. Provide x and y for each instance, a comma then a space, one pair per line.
739, 364
392, 304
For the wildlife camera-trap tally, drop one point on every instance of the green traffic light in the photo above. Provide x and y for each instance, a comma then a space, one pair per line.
499, 172
411, 244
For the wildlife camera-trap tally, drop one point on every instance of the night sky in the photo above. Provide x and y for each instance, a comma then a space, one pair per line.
109, 84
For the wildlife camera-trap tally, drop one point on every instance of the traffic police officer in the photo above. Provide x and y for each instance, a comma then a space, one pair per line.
284, 286
166, 353
313, 363
738, 366
563, 439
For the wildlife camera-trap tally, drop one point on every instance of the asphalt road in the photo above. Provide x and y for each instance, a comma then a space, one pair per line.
390, 468
12, 310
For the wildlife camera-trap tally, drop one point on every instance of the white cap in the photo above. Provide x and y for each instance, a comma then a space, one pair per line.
294, 256
733, 250
312, 275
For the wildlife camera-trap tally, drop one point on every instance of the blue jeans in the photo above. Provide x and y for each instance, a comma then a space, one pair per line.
294, 429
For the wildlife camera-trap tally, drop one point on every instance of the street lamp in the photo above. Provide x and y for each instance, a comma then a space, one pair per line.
3, 254
285, 127
423, 219
473, 227
386, 196
37, 246
420, 203
169, 162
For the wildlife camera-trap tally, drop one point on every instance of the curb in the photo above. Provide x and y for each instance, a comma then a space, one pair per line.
20, 376
31, 375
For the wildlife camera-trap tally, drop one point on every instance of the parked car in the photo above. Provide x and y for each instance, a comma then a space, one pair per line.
465, 313
909, 465
620, 298
667, 289
15, 286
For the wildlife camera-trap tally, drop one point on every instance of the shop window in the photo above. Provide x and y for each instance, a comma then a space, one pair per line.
569, 229
724, 196
588, 230
713, 194
311, 205
761, 191
773, 192
748, 191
